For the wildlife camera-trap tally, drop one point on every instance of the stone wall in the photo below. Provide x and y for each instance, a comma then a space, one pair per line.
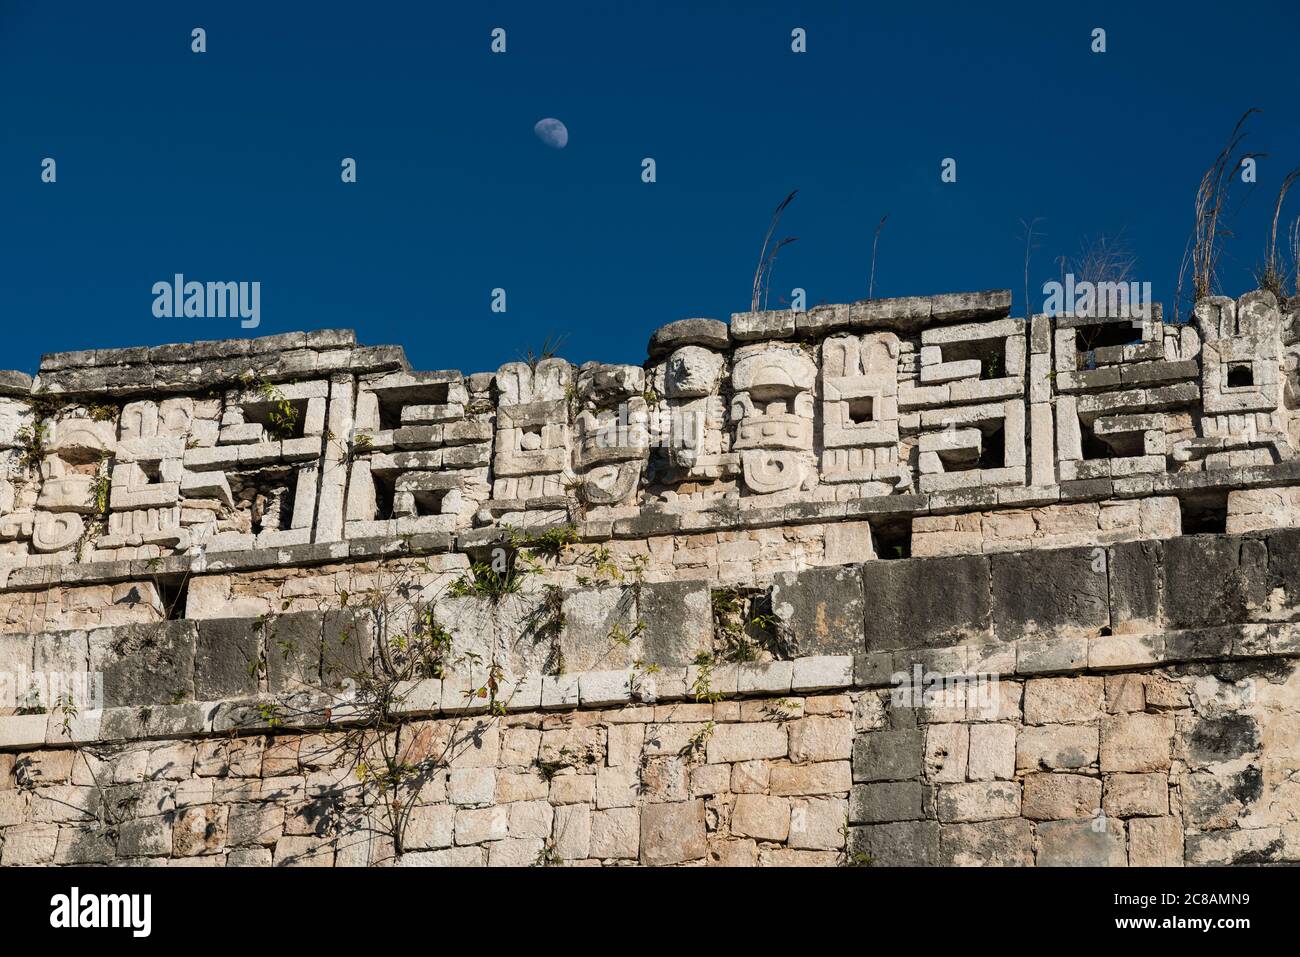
1153, 767
892, 414
1135, 704
900, 581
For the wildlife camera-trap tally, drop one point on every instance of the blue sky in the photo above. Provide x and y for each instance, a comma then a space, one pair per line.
225, 165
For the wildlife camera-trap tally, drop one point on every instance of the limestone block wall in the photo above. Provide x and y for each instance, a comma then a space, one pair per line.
1164, 766
1130, 704
897, 581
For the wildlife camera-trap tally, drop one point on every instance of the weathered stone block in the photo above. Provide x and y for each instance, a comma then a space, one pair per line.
617, 787
1063, 700
1155, 842
1136, 742
746, 742
227, 658
978, 801
476, 825
28, 844
761, 817
1081, 843
1062, 593
149, 837
293, 651
346, 645
200, 830
946, 752
672, 833
821, 739
571, 830
303, 851
821, 609
1051, 655
1213, 579
888, 756
678, 620
471, 785
1135, 586
889, 801
1236, 847
826, 777
822, 672
817, 823
145, 664
1051, 797
904, 844
1136, 795
616, 833
927, 602
591, 617
430, 826
1056, 746
1003, 843
992, 754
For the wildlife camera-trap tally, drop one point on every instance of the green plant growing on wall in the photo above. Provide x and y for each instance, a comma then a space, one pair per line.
697, 742
549, 544
282, 419
641, 669
744, 626
99, 494
701, 688
549, 768
783, 709
65, 707
848, 857
373, 681
483, 580
30, 440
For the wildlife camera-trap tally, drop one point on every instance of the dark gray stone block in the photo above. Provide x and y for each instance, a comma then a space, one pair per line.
1135, 584
1219, 740
1050, 592
821, 609
1284, 566
711, 333
884, 802
347, 642
1198, 644
888, 755
678, 619
227, 656
927, 602
1213, 579
293, 650
146, 664
903, 844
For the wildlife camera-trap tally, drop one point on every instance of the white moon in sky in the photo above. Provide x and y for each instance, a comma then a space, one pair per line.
552, 132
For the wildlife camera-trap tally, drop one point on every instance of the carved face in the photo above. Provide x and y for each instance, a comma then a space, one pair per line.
692, 372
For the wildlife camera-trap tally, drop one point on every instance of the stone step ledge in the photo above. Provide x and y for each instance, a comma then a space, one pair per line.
1074, 655
453, 696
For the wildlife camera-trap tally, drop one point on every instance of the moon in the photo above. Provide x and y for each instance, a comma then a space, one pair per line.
552, 132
